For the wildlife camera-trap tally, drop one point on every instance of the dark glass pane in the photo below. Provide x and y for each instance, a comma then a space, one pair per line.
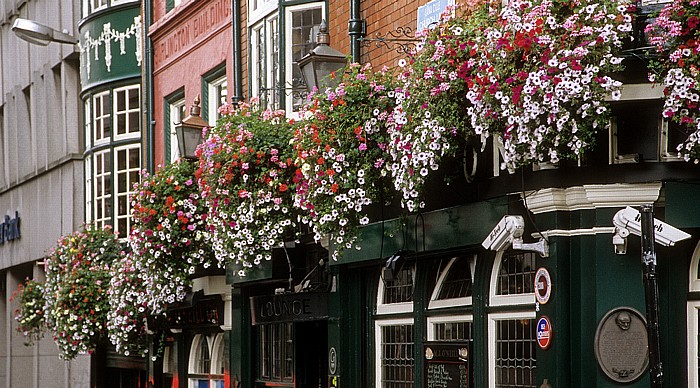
638, 128
133, 99
397, 356
133, 122
121, 101
121, 124
458, 282
121, 160
516, 274
453, 331
134, 155
123, 232
400, 289
107, 104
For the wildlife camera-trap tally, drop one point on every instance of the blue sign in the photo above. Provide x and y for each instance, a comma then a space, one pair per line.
430, 13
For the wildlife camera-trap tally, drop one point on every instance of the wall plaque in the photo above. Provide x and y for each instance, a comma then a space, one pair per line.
621, 344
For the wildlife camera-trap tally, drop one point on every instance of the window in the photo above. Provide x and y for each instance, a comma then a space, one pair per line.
275, 352
215, 92
90, 6
102, 178
512, 334
394, 335
693, 318
127, 173
171, 4
102, 120
96, 5
113, 156
126, 111
275, 74
304, 22
453, 289
206, 361
175, 111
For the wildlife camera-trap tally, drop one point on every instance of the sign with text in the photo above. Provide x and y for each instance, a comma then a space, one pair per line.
9, 229
430, 12
447, 364
295, 307
207, 312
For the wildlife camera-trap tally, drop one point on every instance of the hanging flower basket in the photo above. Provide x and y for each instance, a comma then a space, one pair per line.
248, 179
535, 75
675, 33
341, 149
77, 278
30, 315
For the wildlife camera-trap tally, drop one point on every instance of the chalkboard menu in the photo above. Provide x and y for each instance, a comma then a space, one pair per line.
447, 364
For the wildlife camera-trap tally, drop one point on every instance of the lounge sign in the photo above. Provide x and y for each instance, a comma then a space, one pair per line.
9, 229
296, 307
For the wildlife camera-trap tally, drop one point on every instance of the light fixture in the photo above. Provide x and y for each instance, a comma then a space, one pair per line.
189, 131
319, 65
40, 34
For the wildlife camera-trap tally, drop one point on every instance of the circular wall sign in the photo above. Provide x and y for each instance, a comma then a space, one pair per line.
544, 332
332, 361
543, 285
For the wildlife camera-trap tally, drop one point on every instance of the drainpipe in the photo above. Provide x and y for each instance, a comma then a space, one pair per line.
237, 64
148, 78
356, 30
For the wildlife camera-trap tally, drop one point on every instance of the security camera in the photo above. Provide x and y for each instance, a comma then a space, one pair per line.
508, 228
629, 220
509, 231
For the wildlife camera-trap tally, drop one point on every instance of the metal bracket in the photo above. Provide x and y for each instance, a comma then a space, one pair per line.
403, 40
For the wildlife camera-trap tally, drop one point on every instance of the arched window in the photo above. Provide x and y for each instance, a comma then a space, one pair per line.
206, 361
512, 334
394, 329
453, 289
694, 321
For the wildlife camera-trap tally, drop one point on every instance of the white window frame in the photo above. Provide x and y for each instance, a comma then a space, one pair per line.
394, 308
436, 303
692, 319
127, 112
288, 36
378, 325
88, 189
100, 178
259, 12
176, 115
432, 321
214, 103
506, 300
515, 300
129, 185
214, 342
492, 319
99, 7
102, 139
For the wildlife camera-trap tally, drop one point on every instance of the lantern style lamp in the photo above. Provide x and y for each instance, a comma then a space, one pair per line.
40, 34
323, 60
189, 131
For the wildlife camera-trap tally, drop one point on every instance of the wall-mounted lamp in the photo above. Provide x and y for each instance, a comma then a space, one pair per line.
509, 231
628, 220
40, 34
318, 65
393, 265
189, 131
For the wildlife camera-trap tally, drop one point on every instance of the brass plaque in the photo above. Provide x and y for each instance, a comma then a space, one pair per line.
622, 345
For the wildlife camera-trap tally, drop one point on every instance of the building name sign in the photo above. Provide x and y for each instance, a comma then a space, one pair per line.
192, 30
295, 307
9, 229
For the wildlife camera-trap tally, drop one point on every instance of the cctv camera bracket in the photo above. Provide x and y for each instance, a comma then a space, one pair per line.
620, 240
540, 247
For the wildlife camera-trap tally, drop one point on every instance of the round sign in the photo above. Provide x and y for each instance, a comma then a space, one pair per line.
544, 333
332, 361
543, 286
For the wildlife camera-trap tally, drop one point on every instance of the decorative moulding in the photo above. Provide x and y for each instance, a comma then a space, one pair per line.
592, 197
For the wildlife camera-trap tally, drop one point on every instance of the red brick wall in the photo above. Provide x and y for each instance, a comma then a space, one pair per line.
382, 17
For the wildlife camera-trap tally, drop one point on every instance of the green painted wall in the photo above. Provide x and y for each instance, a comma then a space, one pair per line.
108, 45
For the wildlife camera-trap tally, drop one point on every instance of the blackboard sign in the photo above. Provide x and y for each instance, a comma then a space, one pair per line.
447, 365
